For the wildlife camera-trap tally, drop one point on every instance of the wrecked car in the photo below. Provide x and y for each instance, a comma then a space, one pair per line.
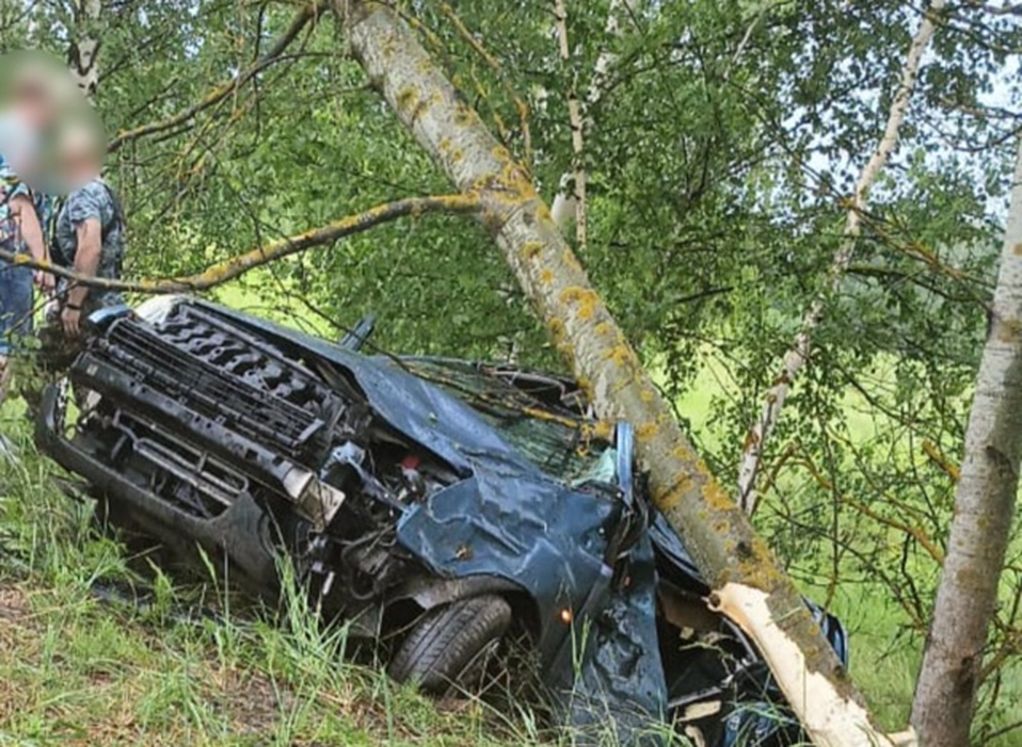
440, 505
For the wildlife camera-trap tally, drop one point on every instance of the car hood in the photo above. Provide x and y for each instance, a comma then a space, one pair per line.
509, 519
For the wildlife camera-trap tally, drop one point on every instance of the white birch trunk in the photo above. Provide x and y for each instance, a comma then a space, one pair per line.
716, 532
984, 512
575, 121
798, 354
570, 201
83, 55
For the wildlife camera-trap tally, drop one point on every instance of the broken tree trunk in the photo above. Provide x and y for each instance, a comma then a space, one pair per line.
798, 354
735, 561
984, 511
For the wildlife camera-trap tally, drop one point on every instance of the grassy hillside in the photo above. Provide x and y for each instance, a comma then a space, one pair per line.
79, 669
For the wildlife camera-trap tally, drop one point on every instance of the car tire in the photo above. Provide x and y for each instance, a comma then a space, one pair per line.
448, 647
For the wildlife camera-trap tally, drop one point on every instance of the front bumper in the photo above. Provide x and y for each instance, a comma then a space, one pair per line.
240, 534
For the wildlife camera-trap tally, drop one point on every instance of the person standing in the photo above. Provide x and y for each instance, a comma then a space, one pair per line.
19, 229
30, 99
88, 234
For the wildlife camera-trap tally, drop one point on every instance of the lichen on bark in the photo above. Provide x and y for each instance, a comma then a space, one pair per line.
550, 275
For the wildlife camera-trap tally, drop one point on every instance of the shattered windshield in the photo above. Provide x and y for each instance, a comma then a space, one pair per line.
561, 442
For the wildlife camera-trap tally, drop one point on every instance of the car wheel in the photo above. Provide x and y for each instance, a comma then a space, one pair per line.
449, 647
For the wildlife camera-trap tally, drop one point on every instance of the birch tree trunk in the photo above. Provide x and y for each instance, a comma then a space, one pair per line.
575, 121
798, 354
984, 511
83, 53
749, 585
570, 201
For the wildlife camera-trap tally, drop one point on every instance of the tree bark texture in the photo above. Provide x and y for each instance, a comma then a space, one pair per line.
984, 512
575, 122
83, 54
716, 532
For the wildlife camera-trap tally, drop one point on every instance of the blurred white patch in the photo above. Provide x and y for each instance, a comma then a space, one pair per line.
156, 309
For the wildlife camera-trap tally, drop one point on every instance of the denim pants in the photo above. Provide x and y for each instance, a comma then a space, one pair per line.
15, 304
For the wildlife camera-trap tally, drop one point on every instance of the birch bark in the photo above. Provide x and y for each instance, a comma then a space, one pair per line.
798, 354
83, 54
719, 536
575, 121
984, 511
570, 201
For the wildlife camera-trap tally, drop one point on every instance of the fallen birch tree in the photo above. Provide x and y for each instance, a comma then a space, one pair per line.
797, 355
748, 584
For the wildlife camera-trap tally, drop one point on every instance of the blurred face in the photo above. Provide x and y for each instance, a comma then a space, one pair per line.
34, 101
48, 132
80, 160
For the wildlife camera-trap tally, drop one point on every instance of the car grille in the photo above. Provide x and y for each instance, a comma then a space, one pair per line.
210, 369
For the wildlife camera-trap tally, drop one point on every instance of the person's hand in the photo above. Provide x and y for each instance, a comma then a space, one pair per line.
45, 281
70, 319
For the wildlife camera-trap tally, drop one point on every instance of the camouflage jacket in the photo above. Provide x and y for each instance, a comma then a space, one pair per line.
94, 200
11, 186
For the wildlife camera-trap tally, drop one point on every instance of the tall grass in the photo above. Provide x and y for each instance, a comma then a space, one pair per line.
189, 664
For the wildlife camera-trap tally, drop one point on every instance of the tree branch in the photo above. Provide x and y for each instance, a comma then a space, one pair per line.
798, 354
229, 269
225, 89
477, 46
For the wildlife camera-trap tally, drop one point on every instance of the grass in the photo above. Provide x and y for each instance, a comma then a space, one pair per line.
73, 670
885, 661
78, 670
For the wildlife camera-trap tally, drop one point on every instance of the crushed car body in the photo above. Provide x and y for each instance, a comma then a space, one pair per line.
439, 505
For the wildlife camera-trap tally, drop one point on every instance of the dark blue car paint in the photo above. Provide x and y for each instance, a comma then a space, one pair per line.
597, 640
